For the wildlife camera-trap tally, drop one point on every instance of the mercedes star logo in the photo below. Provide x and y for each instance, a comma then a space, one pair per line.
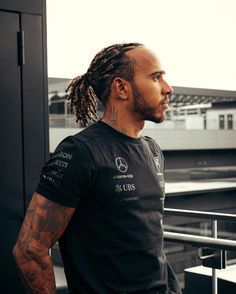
121, 164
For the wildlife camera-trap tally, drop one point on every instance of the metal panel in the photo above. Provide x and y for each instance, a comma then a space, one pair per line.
33, 102
176, 159
25, 6
11, 188
11, 161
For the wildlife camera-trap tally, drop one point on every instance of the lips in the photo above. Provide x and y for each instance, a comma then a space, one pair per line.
165, 104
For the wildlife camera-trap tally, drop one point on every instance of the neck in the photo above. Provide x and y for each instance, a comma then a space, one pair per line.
122, 122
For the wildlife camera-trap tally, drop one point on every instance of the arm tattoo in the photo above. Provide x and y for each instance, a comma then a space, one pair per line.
44, 223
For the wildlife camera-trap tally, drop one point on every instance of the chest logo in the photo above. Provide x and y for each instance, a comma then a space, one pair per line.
121, 164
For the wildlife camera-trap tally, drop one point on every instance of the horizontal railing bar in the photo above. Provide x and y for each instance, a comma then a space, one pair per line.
200, 241
201, 214
198, 231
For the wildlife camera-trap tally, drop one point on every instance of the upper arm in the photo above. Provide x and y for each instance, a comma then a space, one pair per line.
44, 223
68, 174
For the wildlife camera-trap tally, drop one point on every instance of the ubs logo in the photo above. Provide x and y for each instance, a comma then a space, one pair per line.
121, 164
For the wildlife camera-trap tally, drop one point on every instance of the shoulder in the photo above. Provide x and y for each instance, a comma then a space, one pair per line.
153, 145
90, 133
151, 142
78, 143
72, 151
69, 147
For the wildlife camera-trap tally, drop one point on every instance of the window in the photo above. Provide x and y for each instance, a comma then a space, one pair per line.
221, 122
230, 121
204, 121
192, 111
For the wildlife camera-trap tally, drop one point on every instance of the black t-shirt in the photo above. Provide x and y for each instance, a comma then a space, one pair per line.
114, 241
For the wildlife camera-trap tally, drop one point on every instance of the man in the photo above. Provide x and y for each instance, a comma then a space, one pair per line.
102, 192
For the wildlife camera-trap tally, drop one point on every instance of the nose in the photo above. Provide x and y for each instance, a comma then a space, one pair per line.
167, 89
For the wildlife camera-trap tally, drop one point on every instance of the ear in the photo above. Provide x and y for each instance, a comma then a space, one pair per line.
120, 88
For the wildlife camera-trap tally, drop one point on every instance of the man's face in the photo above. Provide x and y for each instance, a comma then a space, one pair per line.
150, 90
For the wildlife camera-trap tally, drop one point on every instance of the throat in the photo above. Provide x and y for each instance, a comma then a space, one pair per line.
122, 121
119, 127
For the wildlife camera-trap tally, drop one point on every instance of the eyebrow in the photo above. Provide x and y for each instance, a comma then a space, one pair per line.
162, 72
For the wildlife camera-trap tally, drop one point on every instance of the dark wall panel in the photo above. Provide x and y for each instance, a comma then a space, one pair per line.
11, 162
199, 158
26, 6
33, 102
23, 122
11, 159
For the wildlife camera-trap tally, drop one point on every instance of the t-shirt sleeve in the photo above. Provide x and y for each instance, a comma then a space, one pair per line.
155, 148
68, 174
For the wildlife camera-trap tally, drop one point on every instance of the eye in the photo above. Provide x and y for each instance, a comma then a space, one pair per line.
157, 76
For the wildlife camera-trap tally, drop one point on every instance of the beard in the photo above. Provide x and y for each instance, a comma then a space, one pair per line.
140, 107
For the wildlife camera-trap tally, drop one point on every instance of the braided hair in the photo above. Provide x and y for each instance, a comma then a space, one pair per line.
96, 82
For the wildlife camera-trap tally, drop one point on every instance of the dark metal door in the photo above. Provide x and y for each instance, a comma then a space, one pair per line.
11, 156
35, 107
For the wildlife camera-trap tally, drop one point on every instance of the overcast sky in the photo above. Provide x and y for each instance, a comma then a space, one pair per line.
195, 39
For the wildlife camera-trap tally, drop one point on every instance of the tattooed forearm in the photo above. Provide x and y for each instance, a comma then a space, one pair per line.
38, 278
44, 223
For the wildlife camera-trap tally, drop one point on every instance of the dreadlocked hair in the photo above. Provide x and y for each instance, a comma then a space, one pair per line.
95, 83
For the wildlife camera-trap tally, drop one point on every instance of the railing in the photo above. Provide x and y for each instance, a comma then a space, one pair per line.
200, 241
216, 256
201, 214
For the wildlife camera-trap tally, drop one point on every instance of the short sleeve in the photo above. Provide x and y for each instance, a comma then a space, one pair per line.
68, 174
156, 150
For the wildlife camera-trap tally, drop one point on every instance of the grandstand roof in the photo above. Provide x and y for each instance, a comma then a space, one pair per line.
184, 96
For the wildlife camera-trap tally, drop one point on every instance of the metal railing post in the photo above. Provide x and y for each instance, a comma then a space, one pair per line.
214, 272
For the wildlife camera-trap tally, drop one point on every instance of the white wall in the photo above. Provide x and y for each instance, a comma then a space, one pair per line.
168, 139
212, 117
194, 139
194, 122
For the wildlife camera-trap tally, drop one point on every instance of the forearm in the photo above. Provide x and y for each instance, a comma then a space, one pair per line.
44, 223
37, 274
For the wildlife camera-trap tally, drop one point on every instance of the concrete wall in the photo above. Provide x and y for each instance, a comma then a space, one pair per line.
169, 139
212, 117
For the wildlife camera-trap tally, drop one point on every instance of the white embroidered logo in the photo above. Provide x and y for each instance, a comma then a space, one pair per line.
157, 163
121, 164
118, 188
